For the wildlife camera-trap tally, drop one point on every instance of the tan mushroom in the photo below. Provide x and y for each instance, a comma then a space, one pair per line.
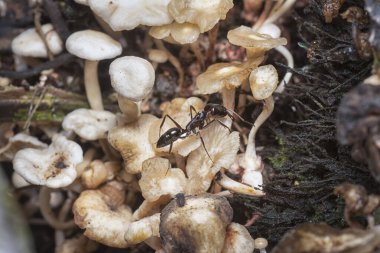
103, 215
139, 231
132, 142
238, 240
197, 226
222, 146
99, 172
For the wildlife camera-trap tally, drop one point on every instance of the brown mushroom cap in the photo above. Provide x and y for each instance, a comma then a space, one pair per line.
198, 226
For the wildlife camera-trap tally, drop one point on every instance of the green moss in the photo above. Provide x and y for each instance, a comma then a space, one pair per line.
46, 115
279, 159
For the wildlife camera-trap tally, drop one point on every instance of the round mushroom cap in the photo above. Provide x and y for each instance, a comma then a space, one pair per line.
53, 167
157, 55
197, 226
92, 45
30, 44
132, 77
89, 124
263, 81
246, 37
126, 15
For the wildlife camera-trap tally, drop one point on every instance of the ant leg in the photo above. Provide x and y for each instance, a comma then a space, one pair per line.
170, 148
191, 111
221, 123
163, 121
204, 146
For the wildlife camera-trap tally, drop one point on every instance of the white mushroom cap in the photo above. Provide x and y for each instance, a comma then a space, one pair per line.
132, 77
238, 240
103, 215
132, 142
263, 81
53, 167
18, 142
18, 181
92, 45
222, 147
157, 55
89, 124
30, 44
126, 15
158, 179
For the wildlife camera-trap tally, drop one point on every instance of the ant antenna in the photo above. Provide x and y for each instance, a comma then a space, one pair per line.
233, 113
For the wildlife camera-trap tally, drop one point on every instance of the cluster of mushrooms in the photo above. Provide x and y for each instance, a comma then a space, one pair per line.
184, 208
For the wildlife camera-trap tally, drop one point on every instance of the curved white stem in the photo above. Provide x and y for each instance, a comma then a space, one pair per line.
232, 185
279, 12
252, 161
290, 62
91, 83
130, 109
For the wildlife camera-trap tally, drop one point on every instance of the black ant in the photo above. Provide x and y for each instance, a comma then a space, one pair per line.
201, 120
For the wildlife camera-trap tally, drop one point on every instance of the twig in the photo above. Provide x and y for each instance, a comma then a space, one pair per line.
37, 24
56, 18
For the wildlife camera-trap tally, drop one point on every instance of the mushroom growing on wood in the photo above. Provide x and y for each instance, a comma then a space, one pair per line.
53, 166
92, 46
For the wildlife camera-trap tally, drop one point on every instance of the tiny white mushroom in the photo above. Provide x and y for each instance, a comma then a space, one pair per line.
133, 79
92, 46
89, 124
30, 44
53, 167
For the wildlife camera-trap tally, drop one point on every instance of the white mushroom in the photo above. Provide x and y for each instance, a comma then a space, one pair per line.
92, 46
139, 231
53, 167
89, 124
18, 142
30, 44
126, 15
133, 79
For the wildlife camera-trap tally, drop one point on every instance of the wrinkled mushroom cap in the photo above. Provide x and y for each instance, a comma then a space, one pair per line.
238, 239
132, 77
222, 147
198, 226
245, 36
53, 167
102, 215
225, 75
263, 81
92, 45
89, 124
126, 15
132, 142
205, 14
18, 142
30, 44
158, 179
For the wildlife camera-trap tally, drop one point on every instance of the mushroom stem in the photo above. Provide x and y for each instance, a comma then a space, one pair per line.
250, 156
47, 213
277, 13
91, 83
228, 96
237, 187
290, 61
130, 109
